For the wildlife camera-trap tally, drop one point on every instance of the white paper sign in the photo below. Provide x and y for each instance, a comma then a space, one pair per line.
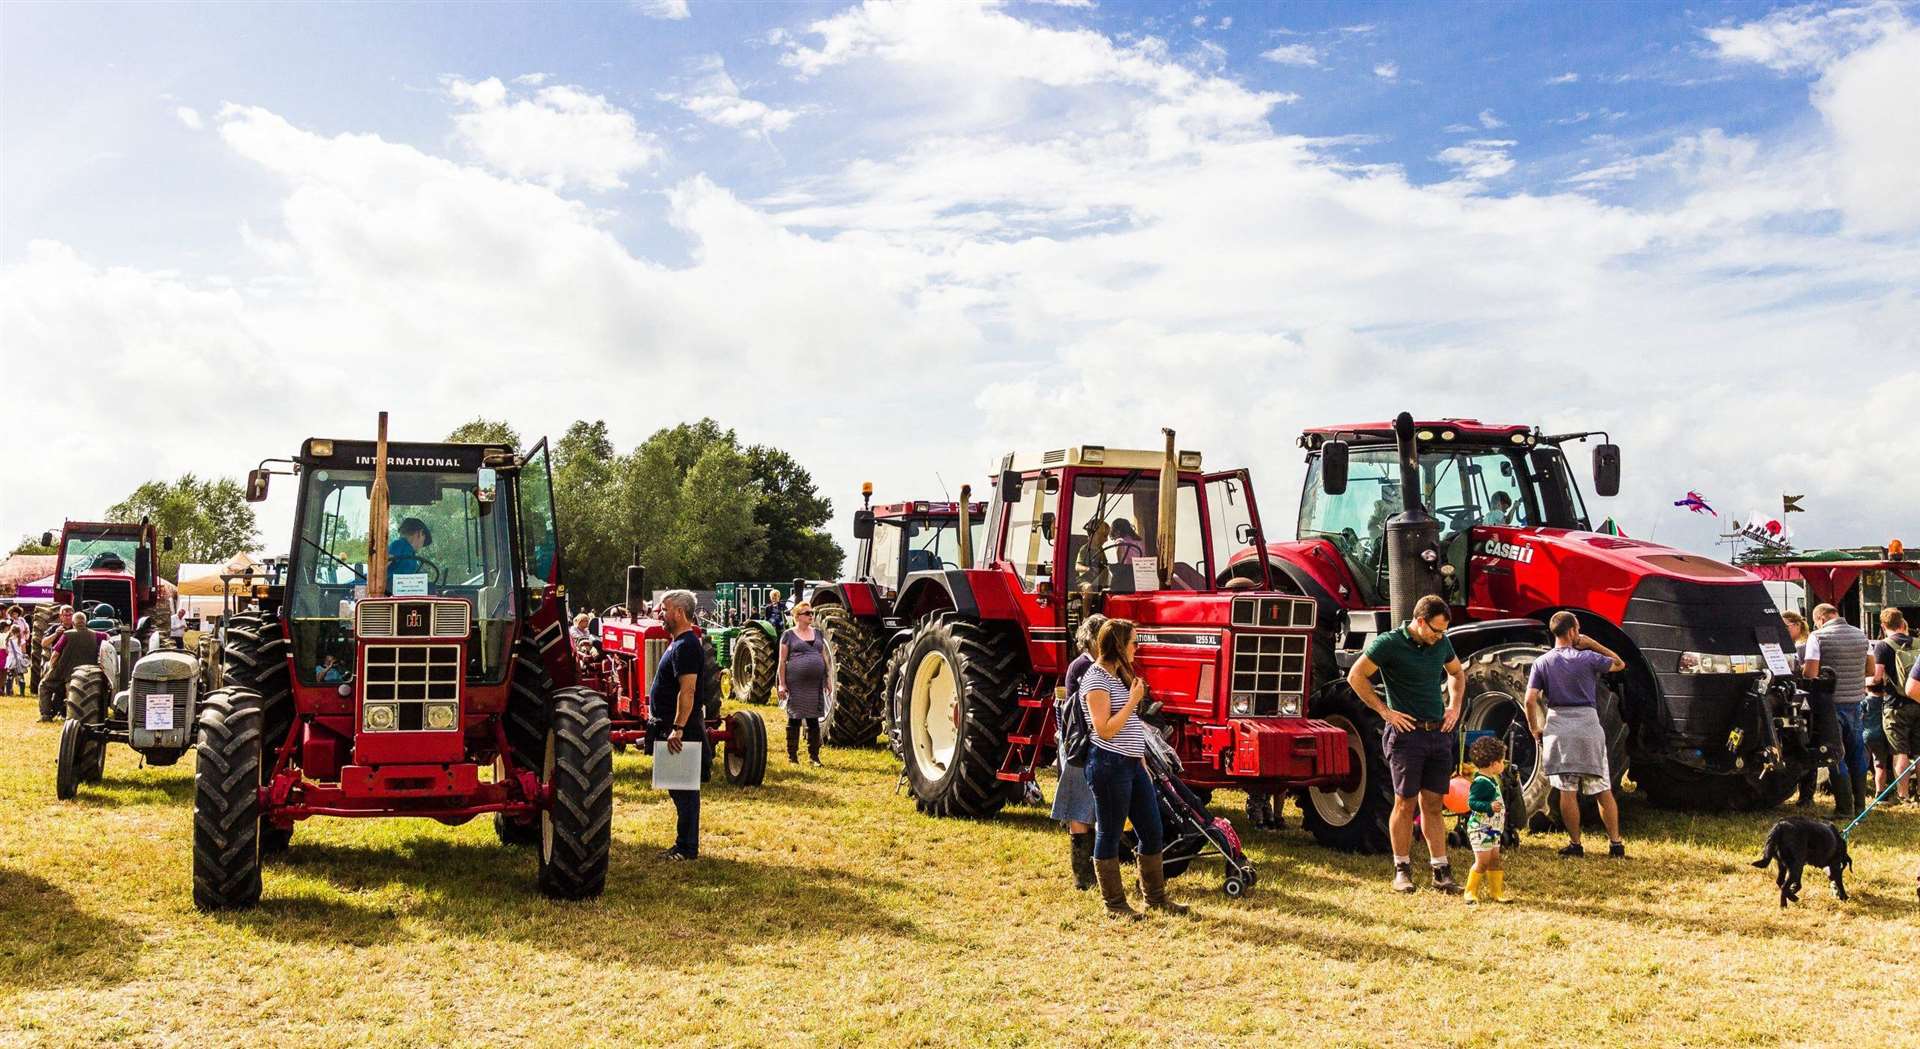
1146, 574
159, 712
676, 771
1776, 659
410, 584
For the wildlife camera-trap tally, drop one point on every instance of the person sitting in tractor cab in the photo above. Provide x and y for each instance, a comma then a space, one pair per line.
403, 554
1127, 543
1500, 509
108, 561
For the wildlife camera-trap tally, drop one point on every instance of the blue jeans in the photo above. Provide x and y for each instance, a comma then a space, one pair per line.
1122, 791
686, 835
1853, 737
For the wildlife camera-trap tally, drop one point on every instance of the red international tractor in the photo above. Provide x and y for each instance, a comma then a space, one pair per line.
413, 662
894, 541
1504, 535
105, 562
620, 666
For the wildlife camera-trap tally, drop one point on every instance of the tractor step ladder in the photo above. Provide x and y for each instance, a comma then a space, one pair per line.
1032, 725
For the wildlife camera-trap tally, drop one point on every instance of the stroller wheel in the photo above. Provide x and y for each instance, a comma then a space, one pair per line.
1234, 888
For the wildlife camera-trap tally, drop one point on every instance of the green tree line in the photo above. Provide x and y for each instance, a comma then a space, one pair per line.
209, 520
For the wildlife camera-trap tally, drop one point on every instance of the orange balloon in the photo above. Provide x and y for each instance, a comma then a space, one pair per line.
1456, 800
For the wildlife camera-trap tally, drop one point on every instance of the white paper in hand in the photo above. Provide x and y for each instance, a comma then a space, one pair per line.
676, 771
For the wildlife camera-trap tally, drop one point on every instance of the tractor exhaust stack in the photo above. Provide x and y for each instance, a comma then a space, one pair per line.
1169, 501
377, 512
966, 526
1413, 536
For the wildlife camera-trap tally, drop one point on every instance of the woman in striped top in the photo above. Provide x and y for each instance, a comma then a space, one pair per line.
1117, 772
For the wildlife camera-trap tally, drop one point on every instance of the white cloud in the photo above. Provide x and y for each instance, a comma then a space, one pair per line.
1198, 21
1387, 70
1226, 22
671, 10
1063, 3
715, 97
1489, 121
530, 79
559, 135
1293, 55
1868, 100
190, 117
1565, 78
1480, 159
1806, 38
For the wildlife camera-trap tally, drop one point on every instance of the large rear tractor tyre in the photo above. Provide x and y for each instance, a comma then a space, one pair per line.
853, 716
226, 801
751, 663
88, 693
892, 708
1496, 703
39, 653
526, 728
1351, 817
745, 756
253, 656
962, 680
576, 830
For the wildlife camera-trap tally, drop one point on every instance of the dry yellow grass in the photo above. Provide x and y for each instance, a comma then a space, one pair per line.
826, 911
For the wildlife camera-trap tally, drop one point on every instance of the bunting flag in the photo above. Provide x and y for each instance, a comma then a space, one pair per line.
1697, 503
1766, 530
1790, 504
1610, 527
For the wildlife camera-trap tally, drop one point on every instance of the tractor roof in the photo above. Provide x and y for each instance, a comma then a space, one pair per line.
102, 529
401, 455
1436, 431
1098, 455
927, 509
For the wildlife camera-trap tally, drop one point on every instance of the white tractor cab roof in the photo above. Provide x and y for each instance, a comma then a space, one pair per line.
1100, 455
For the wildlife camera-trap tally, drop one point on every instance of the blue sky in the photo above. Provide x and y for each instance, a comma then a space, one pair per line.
819, 221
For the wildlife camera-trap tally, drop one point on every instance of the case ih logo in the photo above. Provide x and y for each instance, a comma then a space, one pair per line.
1508, 551
413, 619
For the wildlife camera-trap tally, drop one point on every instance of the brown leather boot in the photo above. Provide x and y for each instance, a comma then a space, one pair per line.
1113, 890
1153, 885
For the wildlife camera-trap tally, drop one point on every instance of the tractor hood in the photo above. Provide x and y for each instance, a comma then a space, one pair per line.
1633, 556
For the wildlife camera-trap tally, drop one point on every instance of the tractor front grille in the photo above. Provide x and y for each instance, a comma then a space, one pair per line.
1269, 670
158, 712
410, 679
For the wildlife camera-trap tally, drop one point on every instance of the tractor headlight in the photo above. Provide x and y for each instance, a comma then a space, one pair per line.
1289, 706
378, 717
442, 716
1716, 663
1242, 703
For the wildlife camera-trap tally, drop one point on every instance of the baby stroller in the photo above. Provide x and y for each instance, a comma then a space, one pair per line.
1192, 833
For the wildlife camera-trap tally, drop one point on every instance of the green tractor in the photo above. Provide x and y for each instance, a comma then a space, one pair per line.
744, 639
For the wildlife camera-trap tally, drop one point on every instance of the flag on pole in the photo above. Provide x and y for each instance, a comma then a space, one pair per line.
1790, 504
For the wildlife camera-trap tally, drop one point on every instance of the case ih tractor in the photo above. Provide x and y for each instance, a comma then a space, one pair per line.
621, 668
894, 541
414, 662
1696, 714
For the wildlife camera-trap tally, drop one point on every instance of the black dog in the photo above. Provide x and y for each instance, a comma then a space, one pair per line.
1798, 843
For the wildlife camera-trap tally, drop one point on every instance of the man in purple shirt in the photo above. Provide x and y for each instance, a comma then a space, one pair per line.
1563, 711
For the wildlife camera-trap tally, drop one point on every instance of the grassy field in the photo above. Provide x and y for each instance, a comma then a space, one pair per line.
825, 911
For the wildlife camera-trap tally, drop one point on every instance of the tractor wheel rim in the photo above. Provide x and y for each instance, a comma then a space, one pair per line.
1340, 807
743, 666
736, 757
934, 713
1500, 714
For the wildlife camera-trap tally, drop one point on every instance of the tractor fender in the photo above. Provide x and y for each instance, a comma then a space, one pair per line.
1468, 638
981, 594
861, 600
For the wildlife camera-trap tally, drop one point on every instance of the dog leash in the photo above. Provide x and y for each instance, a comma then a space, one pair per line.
1875, 803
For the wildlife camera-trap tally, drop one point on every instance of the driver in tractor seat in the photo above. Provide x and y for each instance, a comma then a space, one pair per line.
403, 554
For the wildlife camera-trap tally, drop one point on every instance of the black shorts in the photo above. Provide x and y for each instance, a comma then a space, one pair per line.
1421, 760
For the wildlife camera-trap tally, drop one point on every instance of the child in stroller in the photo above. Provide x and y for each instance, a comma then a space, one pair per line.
1192, 832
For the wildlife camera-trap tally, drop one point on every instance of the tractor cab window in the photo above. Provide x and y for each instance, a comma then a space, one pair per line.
1115, 520
927, 545
98, 553
1031, 531
442, 542
539, 536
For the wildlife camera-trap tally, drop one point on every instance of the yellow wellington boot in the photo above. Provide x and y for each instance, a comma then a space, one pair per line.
1472, 894
1497, 887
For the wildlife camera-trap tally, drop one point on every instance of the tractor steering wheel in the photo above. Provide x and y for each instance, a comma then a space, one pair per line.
432, 568
1459, 517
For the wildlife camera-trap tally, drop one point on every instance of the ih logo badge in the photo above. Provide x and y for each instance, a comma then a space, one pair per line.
413, 619
1518, 552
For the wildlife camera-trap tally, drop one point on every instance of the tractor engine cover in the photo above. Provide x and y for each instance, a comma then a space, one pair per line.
160, 701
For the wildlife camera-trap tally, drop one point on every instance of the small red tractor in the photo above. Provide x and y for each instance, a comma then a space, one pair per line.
620, 666
1503, 534
146, 701
894, 541
977, 651
413, 662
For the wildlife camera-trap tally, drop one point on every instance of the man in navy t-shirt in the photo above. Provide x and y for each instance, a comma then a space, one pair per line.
673, 700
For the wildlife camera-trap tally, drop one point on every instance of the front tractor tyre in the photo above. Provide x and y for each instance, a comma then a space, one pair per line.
961, 685
751, 664
87, 695
1351, 816
853, 718
525, 723
66, 774
226, 801
745, 756
576, 829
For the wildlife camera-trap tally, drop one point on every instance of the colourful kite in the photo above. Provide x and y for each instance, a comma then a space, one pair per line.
1697, 503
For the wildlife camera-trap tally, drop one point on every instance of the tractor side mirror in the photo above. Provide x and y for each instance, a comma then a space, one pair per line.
46, 538
1010, 486
257, 486
1046, 525
636, 586
1606, 470
1333, 467
486, 485
863, 524
166, 544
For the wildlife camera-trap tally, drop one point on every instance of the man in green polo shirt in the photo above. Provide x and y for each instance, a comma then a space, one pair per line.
1414, 661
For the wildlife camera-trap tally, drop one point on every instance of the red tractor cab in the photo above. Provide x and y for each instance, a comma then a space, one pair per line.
1704, 713
893, 541
111, 563
411, 662
977, 651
